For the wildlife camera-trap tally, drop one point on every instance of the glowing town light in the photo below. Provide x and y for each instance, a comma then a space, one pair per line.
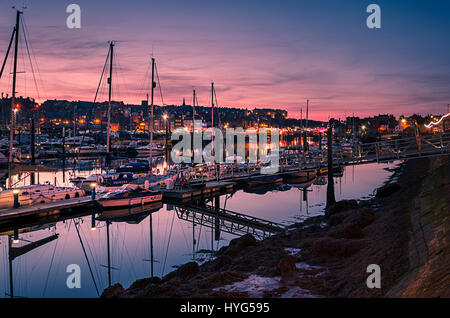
435, 123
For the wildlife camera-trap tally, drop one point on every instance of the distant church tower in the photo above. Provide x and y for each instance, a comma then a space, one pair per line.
184, 102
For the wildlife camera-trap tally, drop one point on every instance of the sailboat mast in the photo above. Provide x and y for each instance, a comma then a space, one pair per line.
307, 112
212, 104
111, 52
13, 97
193, 106
301, 118
151, 120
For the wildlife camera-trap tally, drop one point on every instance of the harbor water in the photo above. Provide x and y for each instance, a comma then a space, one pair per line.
42, 272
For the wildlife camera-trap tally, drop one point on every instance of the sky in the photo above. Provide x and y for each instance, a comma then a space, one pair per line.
259, 53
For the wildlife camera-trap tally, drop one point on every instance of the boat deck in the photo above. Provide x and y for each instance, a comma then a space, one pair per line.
44, 209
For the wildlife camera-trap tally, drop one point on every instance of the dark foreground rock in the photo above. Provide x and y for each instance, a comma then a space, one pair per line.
405, 230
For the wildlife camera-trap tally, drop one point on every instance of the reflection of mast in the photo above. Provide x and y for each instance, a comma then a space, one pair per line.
86, 257
15, 252
151, 244
193, 241
109, 253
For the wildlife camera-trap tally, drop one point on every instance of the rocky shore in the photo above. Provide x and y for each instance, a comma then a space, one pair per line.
405, 229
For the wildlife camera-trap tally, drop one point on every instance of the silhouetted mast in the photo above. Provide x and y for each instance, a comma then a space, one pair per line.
307, 112
111, 52
212, 104
193, 106
151, 115
13, 98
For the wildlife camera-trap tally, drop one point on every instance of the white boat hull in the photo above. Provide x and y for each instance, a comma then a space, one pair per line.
124, 202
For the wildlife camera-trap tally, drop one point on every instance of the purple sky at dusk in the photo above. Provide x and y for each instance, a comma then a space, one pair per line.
258, 53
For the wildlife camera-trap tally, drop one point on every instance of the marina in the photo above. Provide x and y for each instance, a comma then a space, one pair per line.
129, 229
228, 156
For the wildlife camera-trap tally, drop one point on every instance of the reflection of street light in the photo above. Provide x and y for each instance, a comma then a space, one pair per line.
16, 236
93, 227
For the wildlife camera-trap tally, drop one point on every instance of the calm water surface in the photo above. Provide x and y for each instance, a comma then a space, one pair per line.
42, 271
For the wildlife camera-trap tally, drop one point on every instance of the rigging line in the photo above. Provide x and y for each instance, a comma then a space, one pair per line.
159, 85
34, 57
165, 237
49, 269
217, 106
93, 104
29, 58
142, 88
7, 51
92, 255
184, 235
133, 270
85, 255
167, 249
199, 237
24, 69
121, 77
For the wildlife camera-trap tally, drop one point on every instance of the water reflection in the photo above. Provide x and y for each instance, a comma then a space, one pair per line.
120, 246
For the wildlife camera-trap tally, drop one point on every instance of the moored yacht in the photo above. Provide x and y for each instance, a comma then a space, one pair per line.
36, 194
129, 195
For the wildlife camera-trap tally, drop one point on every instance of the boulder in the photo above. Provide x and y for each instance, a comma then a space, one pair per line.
188, 270
388, 190
238, 244
341, 206
113, 291
336, 248
288, 270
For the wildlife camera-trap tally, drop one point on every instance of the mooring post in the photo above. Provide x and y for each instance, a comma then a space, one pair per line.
32, 143
331, 200
16, 198
217, 220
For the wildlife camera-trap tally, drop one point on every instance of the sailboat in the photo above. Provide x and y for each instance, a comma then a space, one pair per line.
129, 195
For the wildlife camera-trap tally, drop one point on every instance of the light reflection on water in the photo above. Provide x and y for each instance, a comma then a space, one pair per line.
42, 271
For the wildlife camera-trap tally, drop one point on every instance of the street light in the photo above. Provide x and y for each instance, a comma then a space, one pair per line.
93, 185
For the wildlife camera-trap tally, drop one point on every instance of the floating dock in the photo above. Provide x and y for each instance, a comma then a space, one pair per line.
206, 190
26, 213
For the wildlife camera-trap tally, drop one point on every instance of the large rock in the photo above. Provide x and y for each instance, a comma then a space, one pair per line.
113, 291
141, 283
388, 190
183, 272
288, 270
336, 248
188, 270
238, 244
341, 206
